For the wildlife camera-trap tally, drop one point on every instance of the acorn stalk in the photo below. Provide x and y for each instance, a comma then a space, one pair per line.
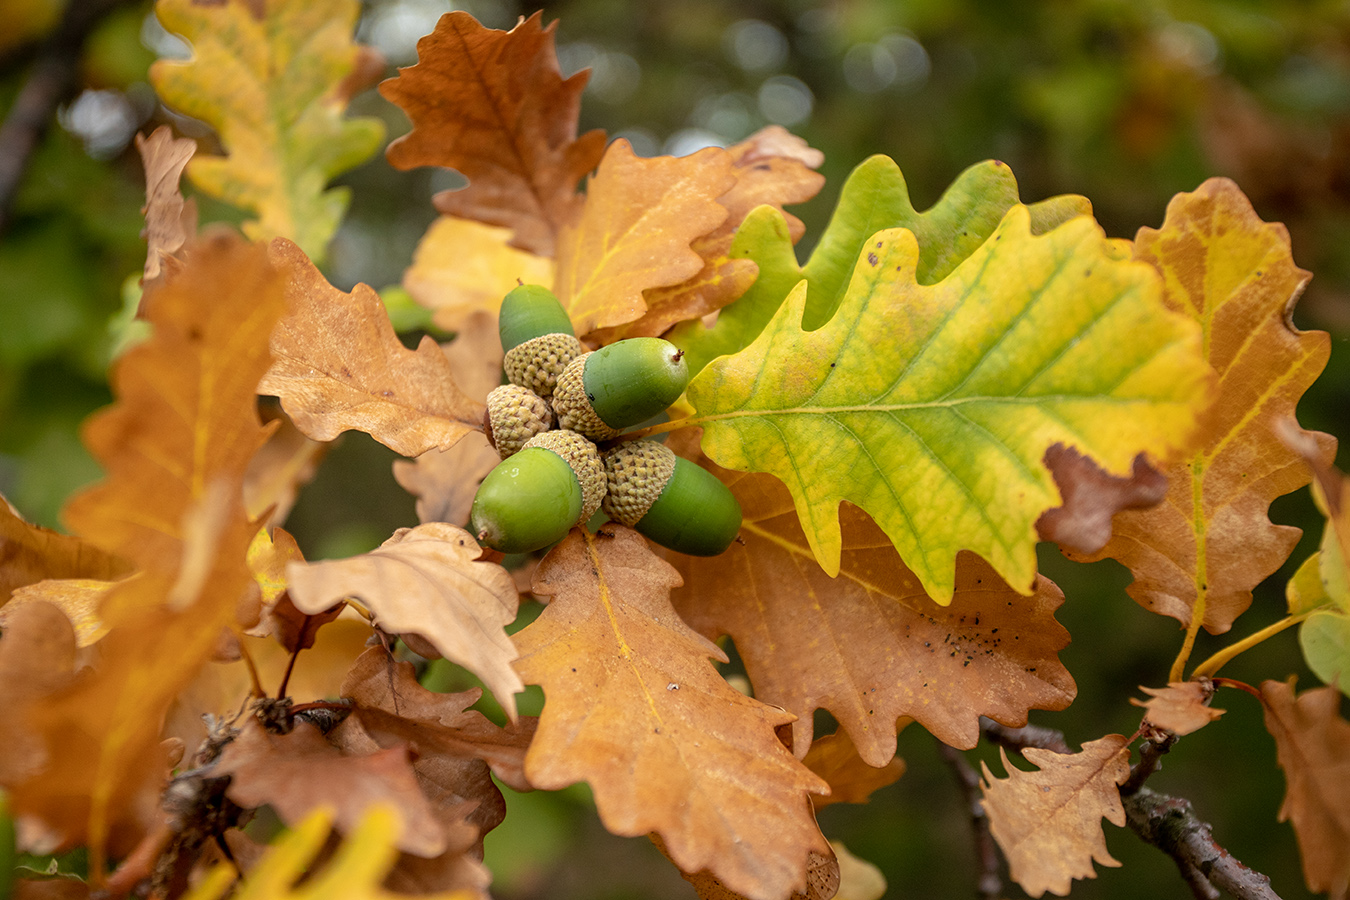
675, 502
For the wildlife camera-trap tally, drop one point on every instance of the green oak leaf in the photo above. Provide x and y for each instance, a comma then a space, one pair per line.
874, 198
274, 83
1325, 639
931, 406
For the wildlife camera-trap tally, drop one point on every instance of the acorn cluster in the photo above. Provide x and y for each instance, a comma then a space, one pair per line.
549, 423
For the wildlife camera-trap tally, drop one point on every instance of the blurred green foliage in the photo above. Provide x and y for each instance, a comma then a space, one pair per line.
1125, 102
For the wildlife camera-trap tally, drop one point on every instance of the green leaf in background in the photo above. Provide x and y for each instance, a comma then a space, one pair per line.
931, 407
1325, 639
874, 198
1325, 635
274, 87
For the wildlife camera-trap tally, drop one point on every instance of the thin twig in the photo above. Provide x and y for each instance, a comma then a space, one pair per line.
990, 883
1018, 739
53, 78
1170, 824
1157, 742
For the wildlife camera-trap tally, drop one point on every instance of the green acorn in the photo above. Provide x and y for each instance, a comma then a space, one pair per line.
671, 500
537, 337
620, 385
514, 415
534, 498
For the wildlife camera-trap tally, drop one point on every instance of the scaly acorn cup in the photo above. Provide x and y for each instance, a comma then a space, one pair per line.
534, 498
514, 415
675, 502
620, 385
537, 337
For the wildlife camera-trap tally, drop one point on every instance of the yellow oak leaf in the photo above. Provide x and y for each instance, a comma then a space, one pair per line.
1312, 741
354, 872
428, 581
493, 105
869, 645
338, 365
635, 708
1048, 822
273, 79
635, 230
1197, 555
32, 553
462, 267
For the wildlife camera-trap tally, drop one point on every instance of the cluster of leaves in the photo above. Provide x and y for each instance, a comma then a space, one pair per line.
902, 418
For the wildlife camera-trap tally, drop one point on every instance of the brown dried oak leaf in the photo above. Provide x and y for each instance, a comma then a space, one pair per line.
635, 230
636, 709
869, 645
169, 219
1048, 822
32, 553
494, 106
1181, 708
338, 365
851, 780
1197, 555
428, 581
1312, 741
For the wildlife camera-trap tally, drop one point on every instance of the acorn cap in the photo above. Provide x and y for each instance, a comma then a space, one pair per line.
635, 475
514, 415
572, 406
584, 459
537, 363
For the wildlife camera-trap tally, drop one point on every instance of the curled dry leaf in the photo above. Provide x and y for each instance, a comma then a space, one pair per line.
870, 646
1092, 496
851, 780
299, 772
1312, 741
635, 230
33, 553
1197, 556
428, 581
338, 365
635, 709
494, 106
169, 219
1181, 708
1048, 822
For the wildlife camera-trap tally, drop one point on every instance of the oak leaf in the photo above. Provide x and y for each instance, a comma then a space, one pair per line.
355, 871
338, 365
1092, 497
930, 406
429, 581
1197, 556
37, 657
494, 106
1181, 708
772, 167
78, 598
445, 481
32, 553
273, 80
169, 219
870, 646
1048, 822
635, 709
822, 878
279, 469
873, 198
634, 232
1312, 741
835, 759
461, 268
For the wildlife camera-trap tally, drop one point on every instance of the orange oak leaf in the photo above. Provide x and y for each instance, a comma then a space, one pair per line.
851, 780
1196, 556
635, 709
1181, 708
445, 481
822, 878
169, 219
284, 464
869, 645
37, 657
772, 167
78, 598
338, 365
494, 106
428, 581
461, 268
1333, 488
298, 772
1092, 496
1312, 741
1048, 822
635, 230
32, 553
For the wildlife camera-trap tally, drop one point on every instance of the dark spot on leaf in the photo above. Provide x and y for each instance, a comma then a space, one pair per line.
872, 258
